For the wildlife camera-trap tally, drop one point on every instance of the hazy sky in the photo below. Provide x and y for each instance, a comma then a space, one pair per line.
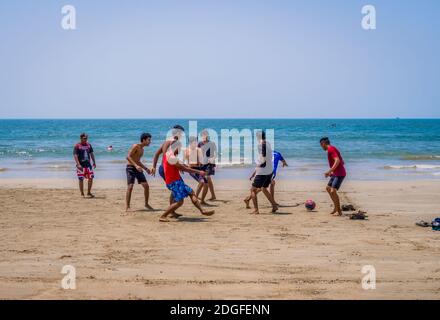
205, 59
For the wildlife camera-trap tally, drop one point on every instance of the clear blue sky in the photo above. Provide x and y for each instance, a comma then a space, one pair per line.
208, 59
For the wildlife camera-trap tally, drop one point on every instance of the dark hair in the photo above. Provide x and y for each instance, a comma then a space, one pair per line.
83, 135
145, 136
326, 140
179, 127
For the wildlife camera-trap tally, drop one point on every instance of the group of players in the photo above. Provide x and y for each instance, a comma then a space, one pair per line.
199, 162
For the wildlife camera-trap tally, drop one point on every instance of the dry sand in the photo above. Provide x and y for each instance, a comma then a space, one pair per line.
294, 254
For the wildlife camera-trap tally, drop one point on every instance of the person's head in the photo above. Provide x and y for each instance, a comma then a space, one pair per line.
177, 131
83, 137
325, 142
145, 139
193, 142
205, 135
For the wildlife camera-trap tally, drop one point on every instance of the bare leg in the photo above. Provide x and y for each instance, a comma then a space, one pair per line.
335, 198
247, 200
174, 214
272, 191
89, 188
81, 187
332, 192
211, 188
204, 187
147, 195
254, 192
173, 207
196, 203
199, 189
271, 200
128, 197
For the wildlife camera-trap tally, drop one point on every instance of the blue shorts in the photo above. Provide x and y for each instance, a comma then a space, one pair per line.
335, 182
179, 190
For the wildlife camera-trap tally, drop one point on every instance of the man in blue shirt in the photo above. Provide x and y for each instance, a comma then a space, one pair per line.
276, 158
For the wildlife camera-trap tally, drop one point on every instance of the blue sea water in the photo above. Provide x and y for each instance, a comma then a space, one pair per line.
372, 149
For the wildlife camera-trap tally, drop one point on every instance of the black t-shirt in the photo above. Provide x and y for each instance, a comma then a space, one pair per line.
83, 152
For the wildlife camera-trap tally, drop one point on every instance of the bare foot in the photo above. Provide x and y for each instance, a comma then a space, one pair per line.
90, 195
212, 199
208, 213
255, 212
274, 208
161, 219
247, 203
337, 214
148, 207
127, 212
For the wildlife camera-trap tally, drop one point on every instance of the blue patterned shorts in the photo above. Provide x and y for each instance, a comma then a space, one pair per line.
179, 190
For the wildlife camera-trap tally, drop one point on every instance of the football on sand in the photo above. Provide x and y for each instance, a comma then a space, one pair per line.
310, 205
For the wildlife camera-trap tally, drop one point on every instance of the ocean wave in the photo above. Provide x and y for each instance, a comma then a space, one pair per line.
117, 161
414, 166
420, 157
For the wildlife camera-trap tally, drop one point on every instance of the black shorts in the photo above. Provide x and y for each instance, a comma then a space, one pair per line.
198, 177
335, 182
209, 168
133, 174
262, 181
162, 172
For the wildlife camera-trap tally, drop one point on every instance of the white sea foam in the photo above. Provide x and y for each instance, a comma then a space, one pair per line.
414, 166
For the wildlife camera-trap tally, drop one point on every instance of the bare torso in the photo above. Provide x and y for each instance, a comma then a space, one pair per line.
136, 152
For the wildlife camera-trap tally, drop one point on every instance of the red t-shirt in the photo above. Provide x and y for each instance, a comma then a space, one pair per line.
172, 173
333, 153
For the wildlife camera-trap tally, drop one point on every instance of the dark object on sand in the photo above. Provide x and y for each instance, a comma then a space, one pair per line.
348, 207
436, 224
360, 215
423, 224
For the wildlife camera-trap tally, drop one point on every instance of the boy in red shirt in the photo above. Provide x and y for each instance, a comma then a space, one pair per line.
336, 173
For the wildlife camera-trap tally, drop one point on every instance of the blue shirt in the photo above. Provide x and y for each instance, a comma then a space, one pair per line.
276, 158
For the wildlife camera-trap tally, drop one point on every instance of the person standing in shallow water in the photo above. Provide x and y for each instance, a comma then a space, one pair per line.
85, 163
336, 173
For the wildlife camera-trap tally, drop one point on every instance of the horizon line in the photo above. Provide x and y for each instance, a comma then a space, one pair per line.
226, 118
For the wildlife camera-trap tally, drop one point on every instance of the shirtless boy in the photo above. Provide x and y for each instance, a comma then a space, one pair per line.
135, 170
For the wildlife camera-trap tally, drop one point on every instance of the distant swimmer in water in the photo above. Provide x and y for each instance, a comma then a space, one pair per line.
110, 148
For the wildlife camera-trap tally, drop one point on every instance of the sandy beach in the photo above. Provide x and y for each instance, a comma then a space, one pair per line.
294, 254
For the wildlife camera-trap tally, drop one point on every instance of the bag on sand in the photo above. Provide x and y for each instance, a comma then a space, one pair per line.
436, 224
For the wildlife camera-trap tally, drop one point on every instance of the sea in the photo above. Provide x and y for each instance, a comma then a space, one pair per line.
373, 149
